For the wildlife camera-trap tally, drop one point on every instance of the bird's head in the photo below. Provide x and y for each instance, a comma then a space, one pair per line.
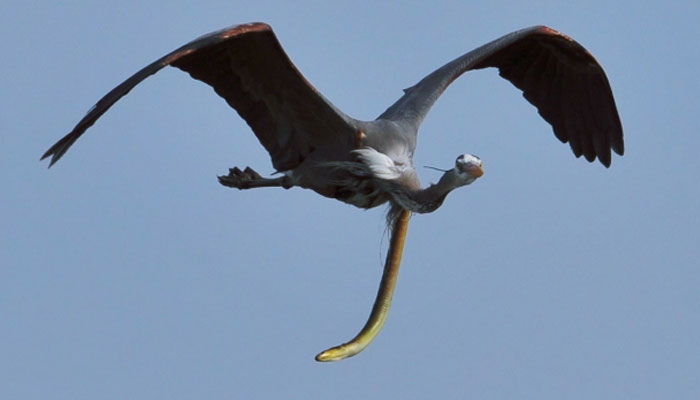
468, 168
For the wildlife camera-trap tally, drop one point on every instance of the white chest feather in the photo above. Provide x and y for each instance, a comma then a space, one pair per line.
380, 165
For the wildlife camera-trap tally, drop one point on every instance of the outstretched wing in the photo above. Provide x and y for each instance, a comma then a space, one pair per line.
246, 65
556, 74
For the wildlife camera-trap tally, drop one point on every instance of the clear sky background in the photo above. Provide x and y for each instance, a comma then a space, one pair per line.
128, 272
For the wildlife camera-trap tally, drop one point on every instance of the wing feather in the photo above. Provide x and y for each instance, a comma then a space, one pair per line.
601, 121
556, 74
246, 65
568, 124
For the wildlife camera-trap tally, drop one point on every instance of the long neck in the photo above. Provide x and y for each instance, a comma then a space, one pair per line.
428, 199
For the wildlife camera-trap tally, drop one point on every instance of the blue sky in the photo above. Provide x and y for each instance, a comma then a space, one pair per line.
127, 271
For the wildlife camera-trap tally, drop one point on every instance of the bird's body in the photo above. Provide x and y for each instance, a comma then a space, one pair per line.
361, 173
368, 163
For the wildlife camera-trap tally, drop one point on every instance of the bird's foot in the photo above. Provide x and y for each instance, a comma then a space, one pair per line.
248, 178
240, 179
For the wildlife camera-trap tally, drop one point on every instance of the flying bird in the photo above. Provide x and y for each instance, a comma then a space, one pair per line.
316, 146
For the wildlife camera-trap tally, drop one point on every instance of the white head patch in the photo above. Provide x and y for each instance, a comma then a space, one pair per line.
468, 160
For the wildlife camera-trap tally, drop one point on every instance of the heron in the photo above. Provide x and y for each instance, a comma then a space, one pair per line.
314, 145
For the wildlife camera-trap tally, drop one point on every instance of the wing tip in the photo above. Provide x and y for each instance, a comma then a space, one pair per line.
61, 147
618, 144
54, 153
604, 156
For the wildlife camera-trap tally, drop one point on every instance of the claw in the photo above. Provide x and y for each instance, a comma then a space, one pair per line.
249, 178
252, 174
236, 178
